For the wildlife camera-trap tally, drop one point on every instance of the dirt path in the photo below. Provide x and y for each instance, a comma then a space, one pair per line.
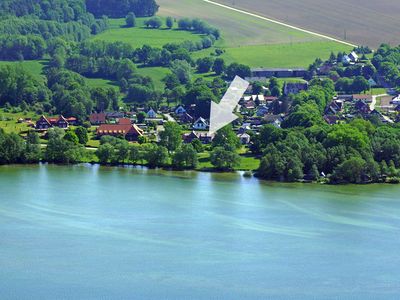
373, 103
281, 23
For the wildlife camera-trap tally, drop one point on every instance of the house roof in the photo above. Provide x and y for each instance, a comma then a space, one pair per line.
179, 107
119, 129
270, 98
97, 117
52, 121
397, 98
353, 55
191, 135
346, 58
206, 135
124, 121
277, 70
362, 97
201, 120
272, 118
186, 116
249, 104
330, 119
61, 118
56, 120
43, 118
115, 114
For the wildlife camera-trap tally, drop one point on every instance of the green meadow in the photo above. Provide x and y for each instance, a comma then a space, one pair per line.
156, 73
140, 35
9, 121
35, 67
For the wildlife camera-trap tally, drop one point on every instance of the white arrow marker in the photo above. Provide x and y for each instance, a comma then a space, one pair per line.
222, 113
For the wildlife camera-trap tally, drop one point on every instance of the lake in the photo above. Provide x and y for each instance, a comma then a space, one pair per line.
90, 232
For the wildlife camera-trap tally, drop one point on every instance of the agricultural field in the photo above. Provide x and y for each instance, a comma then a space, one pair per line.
140, 35
288, 55
340, 18
253, 41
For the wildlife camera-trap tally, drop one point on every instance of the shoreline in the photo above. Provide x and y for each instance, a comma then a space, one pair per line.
242, 173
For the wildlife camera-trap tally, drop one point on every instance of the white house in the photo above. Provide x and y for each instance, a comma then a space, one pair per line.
200, 124
275, 120
396, 100
244, 138
151, 114
259, 98
180, 110
246, 98
346, 60
353, 56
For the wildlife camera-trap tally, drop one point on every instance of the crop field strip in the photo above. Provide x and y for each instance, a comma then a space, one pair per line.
238, 29
362, 22
252, 40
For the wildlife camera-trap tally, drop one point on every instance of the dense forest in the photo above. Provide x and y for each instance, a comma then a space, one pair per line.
120, 8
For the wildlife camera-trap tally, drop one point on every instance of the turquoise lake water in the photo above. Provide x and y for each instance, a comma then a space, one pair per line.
90, 232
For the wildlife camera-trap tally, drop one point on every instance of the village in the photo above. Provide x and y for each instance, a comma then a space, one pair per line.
257, 108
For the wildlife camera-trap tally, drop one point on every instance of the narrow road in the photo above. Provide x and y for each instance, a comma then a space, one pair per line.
281, 23
373, 103
170, 118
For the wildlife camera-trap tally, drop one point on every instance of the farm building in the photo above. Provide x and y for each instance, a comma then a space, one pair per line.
45, 123
131, 132
97, 118
363, 97
279, 73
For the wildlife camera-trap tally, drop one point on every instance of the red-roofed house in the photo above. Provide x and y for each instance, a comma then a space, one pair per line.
189, 137
45, 123
61, 122
124, 121
363, 97
72, 121
97, 118
130, 132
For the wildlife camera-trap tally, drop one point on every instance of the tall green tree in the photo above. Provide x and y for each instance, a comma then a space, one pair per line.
169, 22
223, 159
130, 20
171, 137
185, 157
